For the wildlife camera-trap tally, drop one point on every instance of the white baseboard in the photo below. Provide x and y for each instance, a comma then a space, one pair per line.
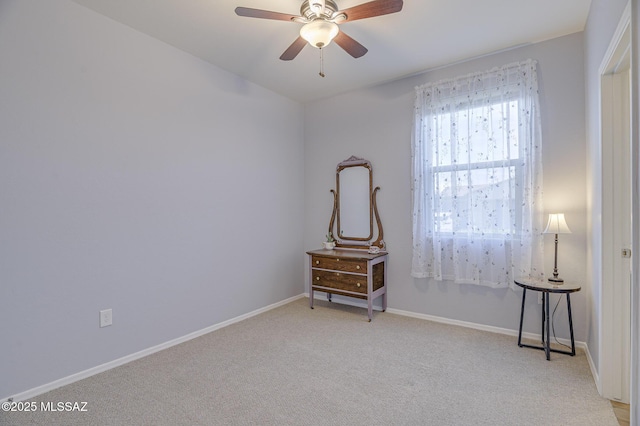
482, 327
475, 326
594, 371
31, 393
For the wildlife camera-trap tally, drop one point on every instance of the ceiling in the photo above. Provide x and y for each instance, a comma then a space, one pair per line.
426, 34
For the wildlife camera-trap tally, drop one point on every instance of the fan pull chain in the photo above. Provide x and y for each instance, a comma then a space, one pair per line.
321, 63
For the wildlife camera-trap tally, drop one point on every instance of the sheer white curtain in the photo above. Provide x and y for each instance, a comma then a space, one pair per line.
477, 178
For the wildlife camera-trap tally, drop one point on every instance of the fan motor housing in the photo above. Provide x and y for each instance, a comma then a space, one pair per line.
330, 7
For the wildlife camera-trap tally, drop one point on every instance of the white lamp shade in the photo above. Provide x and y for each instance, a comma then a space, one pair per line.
319, 33
557, 224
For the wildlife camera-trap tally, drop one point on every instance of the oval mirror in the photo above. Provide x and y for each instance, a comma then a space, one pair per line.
354, 206
354, 203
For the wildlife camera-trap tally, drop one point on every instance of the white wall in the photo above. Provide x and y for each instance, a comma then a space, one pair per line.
376, 124
604, 16
136, 177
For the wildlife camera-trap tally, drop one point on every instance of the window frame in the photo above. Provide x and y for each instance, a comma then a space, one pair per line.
455, 166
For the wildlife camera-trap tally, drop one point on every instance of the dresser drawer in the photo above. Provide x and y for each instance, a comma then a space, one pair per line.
337, 264
340, 281
351, 273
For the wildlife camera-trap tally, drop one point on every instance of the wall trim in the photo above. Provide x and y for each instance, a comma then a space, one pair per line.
623, 26
613, 369
481, 327
594, 370
466, 324
31, 393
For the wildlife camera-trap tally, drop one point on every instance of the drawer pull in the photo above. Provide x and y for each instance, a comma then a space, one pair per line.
317, 262
358, 285
337, 260
357, 266
317, 278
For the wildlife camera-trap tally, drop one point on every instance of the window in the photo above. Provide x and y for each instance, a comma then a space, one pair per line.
477, 196
479, 171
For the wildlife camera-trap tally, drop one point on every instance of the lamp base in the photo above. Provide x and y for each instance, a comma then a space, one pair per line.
556, 280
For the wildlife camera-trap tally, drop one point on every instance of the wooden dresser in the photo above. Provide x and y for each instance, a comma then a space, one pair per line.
353, 273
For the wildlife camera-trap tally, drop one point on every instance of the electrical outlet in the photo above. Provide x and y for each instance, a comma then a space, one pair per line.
106, 317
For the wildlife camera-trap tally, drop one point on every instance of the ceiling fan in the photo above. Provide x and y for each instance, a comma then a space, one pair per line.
321, 19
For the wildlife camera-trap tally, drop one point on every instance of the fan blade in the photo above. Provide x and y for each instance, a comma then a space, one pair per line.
350, 46
264, 14
293, 50
371, 9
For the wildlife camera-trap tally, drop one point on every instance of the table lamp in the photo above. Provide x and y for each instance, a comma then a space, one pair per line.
556, 225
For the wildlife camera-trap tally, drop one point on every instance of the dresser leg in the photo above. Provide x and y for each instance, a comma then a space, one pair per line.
311, 299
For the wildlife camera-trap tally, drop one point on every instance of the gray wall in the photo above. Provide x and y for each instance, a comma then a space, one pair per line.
376, 123
136, 177
604, 16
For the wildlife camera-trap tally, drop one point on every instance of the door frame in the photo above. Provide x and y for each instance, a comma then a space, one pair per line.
635, 208
615, 319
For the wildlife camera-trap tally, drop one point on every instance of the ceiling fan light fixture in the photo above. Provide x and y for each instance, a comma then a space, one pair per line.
339, 17
318, 7
319, 33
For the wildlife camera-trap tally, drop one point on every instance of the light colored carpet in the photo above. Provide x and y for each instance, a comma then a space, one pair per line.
329, 366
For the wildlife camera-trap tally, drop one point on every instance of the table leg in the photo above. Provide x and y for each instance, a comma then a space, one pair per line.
524, 295
548, 342
546, 318
544, 311
573, 343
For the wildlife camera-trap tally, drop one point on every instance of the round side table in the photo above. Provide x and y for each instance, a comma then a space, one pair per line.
547, 287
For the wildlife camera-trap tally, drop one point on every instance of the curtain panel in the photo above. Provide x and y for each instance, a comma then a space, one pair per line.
477, 178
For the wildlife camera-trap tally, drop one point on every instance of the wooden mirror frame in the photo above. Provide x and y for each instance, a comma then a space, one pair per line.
363, 243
